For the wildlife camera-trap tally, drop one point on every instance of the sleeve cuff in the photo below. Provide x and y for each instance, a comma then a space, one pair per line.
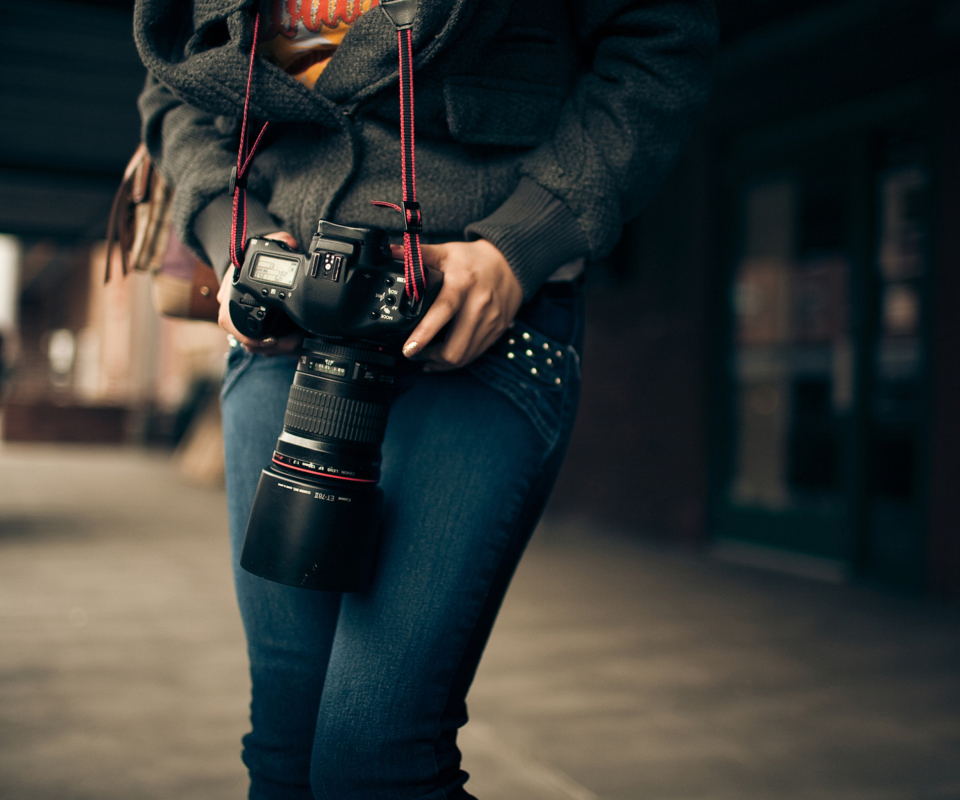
213, 224
535, 231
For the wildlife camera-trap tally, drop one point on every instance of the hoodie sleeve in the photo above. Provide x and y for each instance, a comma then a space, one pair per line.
650, 67
195, 152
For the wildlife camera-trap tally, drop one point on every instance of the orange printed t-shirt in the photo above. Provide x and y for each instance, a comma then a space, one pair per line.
302, 35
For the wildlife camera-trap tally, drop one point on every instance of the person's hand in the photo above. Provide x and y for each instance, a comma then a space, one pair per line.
269, 346
479, 299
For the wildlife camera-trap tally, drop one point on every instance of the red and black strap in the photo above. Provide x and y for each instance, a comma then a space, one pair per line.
238, 177
401, 13
412, 217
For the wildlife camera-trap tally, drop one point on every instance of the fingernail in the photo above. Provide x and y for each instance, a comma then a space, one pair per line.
268, 341
410, 349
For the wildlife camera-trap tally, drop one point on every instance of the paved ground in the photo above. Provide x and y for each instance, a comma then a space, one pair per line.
617, 671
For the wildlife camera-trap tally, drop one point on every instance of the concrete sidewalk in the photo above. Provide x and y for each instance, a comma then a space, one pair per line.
617, 670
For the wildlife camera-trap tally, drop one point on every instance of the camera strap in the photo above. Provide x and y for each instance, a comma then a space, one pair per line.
238, 176
401, 13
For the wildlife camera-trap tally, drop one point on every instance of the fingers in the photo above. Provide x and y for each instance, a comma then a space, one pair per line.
432, 253
274, 347
269, 345
474, 329
224, 321
444, 309
223, 293
286, 238
479, 298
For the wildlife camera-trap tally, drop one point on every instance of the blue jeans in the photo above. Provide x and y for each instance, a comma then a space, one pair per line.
359, 696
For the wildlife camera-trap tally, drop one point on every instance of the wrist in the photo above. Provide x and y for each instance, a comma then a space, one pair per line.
506, 278
535, 231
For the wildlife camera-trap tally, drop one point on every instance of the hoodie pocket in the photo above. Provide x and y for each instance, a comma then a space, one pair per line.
496, 111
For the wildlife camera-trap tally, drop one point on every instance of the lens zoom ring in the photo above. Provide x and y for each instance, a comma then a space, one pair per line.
322, 414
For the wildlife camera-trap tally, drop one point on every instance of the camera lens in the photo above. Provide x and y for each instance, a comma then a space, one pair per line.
316, 515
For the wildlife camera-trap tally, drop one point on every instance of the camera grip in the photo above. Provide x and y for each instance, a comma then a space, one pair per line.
255, 320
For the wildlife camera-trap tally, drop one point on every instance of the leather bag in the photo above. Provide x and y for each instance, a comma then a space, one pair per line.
140, 227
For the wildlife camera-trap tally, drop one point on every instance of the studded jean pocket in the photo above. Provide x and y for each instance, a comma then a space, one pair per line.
540, 375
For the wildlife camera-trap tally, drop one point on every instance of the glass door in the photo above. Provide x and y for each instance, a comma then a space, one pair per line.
826, 367
895, 543
792, 369
790, 481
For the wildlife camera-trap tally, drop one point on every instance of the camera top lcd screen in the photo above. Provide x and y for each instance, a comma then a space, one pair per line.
274, 269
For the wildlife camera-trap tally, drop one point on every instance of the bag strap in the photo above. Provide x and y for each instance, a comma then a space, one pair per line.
129, 193
401, 13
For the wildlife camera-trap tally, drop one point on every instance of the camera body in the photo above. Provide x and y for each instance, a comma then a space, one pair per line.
315, 520
345, 287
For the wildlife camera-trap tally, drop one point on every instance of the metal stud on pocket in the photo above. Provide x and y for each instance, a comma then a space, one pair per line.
532, 346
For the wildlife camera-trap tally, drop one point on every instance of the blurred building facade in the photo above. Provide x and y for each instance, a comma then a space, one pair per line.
87, 361
770, 350
834, 159
786, 310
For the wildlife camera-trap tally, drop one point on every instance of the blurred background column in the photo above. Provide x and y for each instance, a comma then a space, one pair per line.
9, 301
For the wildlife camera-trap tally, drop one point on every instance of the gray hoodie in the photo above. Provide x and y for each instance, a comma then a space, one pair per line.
541, 125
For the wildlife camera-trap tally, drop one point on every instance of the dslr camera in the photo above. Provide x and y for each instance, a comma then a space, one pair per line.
316, 515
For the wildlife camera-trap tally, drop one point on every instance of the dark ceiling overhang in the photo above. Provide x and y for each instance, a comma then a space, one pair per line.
69, 80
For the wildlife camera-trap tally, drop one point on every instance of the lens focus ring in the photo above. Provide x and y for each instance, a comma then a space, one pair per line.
320, 414
323, 348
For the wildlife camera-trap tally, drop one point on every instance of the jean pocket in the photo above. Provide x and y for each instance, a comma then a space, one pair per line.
539, 374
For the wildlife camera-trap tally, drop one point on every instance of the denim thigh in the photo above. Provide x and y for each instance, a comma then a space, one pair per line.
373, 684
288, 630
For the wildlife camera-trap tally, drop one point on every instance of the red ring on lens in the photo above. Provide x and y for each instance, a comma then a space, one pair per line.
322, 474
